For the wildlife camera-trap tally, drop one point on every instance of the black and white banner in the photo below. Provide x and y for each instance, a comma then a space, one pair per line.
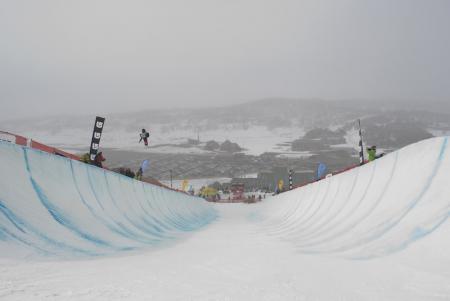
361, 146
290, 179
96, 135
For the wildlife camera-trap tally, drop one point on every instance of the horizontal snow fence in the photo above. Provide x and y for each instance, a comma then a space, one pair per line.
367, 212
56, 206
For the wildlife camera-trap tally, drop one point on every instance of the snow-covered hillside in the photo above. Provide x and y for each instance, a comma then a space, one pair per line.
379, 232
262, 126
255, 140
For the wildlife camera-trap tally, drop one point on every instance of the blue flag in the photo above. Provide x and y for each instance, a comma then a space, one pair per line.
321, 169
145, 165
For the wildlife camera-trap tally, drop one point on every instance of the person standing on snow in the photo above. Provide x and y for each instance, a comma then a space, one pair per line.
98, 160
144, 136
138, 175
372, 153
86, 158
144, 166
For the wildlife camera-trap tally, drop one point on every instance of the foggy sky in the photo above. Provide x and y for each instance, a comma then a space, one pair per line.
107, 56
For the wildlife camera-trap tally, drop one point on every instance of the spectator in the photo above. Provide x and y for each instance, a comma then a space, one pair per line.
372, 153
138, 175
98, 160
85, 158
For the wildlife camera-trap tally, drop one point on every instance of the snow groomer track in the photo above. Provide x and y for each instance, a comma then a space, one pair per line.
376, 232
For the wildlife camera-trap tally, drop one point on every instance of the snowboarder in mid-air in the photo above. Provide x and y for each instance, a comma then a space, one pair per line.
144, 136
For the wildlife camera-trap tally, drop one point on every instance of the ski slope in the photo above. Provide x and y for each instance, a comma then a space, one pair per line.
70, 231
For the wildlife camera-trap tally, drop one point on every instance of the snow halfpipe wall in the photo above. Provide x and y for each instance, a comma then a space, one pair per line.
370, 211
62, 207
55, 206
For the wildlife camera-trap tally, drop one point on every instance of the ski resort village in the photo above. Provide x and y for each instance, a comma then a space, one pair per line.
225, 150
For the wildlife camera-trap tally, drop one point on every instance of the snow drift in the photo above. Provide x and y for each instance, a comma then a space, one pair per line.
57, 206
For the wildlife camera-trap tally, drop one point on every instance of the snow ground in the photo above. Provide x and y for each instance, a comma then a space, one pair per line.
232, 259
255, 139
295, 155
378, 232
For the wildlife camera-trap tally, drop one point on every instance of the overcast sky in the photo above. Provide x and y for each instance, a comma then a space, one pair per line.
108, 56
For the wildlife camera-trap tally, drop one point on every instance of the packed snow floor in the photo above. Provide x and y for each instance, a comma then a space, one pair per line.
232, 259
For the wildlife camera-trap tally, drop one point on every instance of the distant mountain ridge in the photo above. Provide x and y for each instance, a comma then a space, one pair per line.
271, 112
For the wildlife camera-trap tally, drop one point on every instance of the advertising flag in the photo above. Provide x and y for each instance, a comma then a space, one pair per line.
96, 135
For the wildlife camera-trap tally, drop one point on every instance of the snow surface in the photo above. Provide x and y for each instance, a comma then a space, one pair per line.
295, 155
378, 232
254, 139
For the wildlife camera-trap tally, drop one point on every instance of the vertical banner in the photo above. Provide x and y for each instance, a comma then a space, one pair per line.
280, 185
96, 135
361, 150
145, 165
321, 169
290, 179
184, 185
